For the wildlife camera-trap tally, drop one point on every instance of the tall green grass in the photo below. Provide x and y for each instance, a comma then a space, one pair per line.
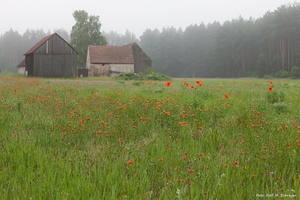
106, 139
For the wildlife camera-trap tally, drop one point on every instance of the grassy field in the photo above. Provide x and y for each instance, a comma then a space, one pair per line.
104, 138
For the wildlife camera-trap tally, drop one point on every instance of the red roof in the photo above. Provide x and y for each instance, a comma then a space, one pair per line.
111, 54
40, 43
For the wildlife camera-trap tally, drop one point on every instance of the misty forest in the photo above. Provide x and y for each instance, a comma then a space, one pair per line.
265, 47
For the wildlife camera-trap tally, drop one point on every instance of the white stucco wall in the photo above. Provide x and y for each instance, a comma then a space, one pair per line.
21, 70
121, 68
109, 69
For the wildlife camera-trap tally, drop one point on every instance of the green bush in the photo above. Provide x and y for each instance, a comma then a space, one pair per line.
282, 74
130, 76
148, 74
295, 72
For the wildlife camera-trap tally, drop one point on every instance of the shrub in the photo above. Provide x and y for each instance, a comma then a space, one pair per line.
148, 74
295, 72
268, 76
129, 76
282, 74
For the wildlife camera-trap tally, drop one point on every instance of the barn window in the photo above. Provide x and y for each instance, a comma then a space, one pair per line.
103, 64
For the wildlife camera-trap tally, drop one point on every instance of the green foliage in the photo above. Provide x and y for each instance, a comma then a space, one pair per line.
275, 97
280, 107
267, 76
282, 74
86, 31
148, 74
261, 65
121, 82
129, 76
138, 83
295, 72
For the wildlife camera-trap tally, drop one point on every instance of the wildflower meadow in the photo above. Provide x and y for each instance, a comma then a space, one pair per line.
104, 138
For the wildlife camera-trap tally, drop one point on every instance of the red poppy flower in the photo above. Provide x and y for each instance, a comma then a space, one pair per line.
198, 82
226, 96
271, 82
168, 83
15, 90
270, 89
129, 162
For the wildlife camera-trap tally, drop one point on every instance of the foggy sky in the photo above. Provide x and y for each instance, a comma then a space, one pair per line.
133, 15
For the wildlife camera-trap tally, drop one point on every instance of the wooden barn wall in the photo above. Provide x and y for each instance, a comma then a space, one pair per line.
56, 45
55, 58
83, 72
29, 62
55, 65
141, 60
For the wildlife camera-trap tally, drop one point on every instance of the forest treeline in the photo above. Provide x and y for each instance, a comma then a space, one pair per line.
267, 46
241, 47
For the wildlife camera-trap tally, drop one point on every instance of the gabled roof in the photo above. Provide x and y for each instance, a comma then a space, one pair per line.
111, 54
42, 41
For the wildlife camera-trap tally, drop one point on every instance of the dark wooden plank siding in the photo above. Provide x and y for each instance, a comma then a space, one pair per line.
141, 59
29, 62
83, 72
54, 58
55, 65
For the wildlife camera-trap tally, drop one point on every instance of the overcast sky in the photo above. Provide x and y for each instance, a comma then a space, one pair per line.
133, 15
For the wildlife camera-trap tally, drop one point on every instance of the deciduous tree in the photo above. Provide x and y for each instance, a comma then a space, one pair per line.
86, 31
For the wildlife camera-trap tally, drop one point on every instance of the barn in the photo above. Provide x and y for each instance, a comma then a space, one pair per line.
51, 57
113, 60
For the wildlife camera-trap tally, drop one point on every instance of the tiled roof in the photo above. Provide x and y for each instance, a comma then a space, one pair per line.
111, 54
37, 45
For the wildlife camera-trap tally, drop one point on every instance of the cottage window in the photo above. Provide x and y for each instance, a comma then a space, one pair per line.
103, 64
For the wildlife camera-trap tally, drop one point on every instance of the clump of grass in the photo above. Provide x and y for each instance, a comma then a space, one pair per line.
137, 83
